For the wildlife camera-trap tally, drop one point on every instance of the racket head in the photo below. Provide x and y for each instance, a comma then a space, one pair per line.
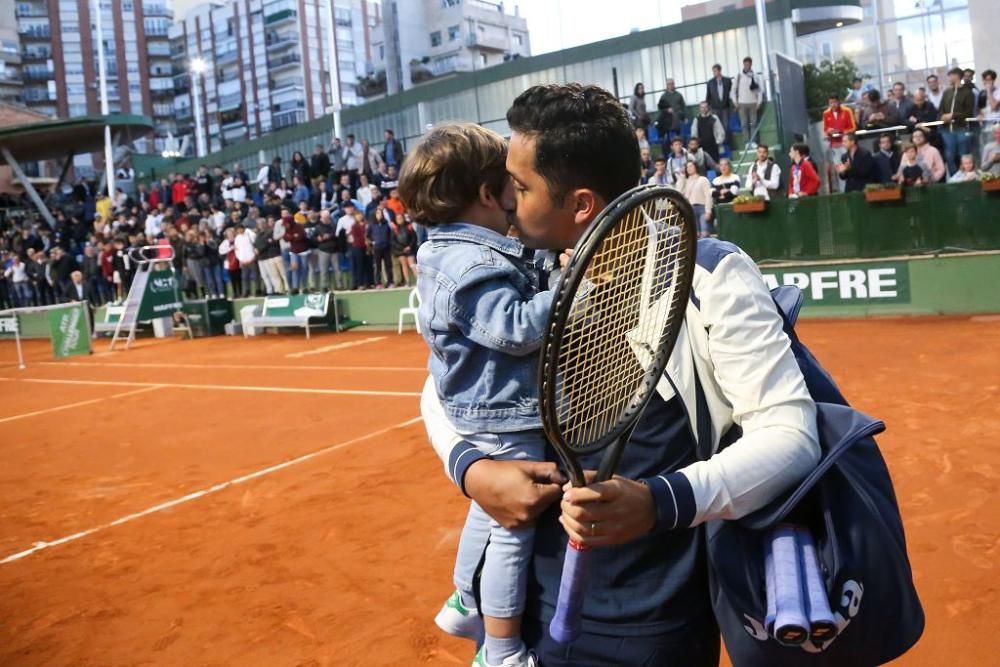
616, 314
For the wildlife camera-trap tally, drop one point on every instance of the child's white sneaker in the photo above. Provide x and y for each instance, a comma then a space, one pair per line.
522, 659
458, 620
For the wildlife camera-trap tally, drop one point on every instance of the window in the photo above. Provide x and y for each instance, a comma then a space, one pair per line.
518, 39
454, 32
482, 59
436, 38
450, 3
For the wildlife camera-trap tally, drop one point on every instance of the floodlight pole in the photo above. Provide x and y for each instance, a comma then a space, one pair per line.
765, 47
109, 160
199, 139
333, 67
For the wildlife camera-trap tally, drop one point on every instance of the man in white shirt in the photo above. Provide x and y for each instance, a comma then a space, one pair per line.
748, 92
347, 220
934, 91
261, 179
246, 255
352, 159
764, 176
154, 223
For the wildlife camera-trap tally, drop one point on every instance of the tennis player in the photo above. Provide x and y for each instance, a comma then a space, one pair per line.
572, 149
483, 313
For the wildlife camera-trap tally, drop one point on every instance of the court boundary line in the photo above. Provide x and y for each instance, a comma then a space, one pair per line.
227, 387
263, 367
335, 346
78, 404
215, 488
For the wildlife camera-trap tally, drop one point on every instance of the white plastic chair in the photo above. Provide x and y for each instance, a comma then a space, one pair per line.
410, 310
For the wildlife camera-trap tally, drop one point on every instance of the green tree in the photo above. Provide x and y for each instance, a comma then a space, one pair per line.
827, 79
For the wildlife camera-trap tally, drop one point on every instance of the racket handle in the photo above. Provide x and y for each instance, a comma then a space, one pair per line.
791, 626
821, 623
565, 625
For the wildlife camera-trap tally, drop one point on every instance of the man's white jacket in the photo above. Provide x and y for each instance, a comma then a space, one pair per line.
732, 341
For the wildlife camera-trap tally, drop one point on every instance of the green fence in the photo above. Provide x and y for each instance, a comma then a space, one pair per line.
844, 226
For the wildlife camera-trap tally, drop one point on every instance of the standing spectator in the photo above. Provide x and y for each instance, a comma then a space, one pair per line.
726, 185
673, 113
371, 161
321, 198
262, 180
155, 195
637, 107
748, 97
934, 91
967, 171
178, 194
365, 191
194, 261
991, 153
39, 272
107, 263
857, 167
76, 289
395, 204
912, 171
300, 169
929, 155
92, 275
803, 180
900, 101
353, 159
404, 251
718, 94
246, 255
392, 152
640, 136
327, 255
379, 236
923, 110
300, 191
274, 175
709, 130
677, 162
838, 121
645, 161
204, 182
337, 159
227, 250
269, 257
764, 177
856, 95
212, 266
320, 165
390, 182
957, 105
298, 242
121, 270
878, 113
20, 283
698, 191
886, 159
988, 104
62, 266
358, 247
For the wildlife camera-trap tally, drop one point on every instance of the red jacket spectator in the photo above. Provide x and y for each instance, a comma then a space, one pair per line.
358, 238
838, 121
295, 234
808, 180
154, 198
178, 192
107, 262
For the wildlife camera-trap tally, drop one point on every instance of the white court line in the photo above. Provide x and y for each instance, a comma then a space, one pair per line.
78, 404
337, 346
267, 367
39, 546
229, 387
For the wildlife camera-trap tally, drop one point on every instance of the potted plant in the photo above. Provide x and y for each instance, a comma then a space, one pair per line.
880, 192
990, 182
749, 204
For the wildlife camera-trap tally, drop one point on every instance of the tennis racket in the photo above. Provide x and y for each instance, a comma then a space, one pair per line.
615, 317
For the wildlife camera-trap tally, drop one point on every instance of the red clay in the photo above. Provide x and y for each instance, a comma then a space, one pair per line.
343, 559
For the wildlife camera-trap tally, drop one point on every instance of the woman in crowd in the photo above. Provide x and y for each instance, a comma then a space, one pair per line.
212, 265
358, 252
298, 244
227, 251
929, 155
404, 250
300, 167
194, 260
726, 185
698, 191
637, 107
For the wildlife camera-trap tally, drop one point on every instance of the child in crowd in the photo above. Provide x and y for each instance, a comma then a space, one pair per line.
911, 170
483, 313
966, 172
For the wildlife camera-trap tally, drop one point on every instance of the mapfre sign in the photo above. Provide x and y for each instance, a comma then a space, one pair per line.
846, 284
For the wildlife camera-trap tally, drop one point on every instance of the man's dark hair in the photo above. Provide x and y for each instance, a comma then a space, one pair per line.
765, 147
931, 76
856, 79
748, 59
390, 132
989, 73
801, 148
833, 96
874, 95
583, 139
350, 136
717, 66
956, 71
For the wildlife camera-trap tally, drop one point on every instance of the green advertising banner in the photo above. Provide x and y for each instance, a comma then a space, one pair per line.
69, 331
847, 284
161, 297
297, 305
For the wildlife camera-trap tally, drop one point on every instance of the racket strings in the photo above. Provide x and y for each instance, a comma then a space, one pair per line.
617, 323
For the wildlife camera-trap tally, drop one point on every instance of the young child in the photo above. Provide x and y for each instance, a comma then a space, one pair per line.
483, 313
911, 170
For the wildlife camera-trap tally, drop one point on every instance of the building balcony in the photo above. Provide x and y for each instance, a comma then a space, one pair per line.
287, 118
28, 33
35, 54
37, 75
280, 17
284, 62
226, 57
30, 12
487, 42
277, 43
156, 9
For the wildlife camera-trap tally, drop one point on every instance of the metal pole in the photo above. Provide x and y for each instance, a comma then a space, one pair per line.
765, 48
876, 20
199, 139
331, 58
29, 189
102, 72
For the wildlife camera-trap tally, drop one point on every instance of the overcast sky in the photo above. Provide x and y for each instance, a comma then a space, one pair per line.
560, 24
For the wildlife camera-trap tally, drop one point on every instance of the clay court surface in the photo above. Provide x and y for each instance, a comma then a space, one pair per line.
188, 543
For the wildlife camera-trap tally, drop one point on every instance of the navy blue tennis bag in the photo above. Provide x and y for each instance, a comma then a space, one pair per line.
849, 505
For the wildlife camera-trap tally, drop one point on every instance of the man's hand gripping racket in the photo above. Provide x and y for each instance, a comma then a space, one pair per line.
616, 314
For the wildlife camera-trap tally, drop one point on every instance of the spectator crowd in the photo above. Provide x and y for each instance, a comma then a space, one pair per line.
332, 221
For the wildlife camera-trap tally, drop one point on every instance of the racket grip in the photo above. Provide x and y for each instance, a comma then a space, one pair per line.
791, 626
821, 623
565, 625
